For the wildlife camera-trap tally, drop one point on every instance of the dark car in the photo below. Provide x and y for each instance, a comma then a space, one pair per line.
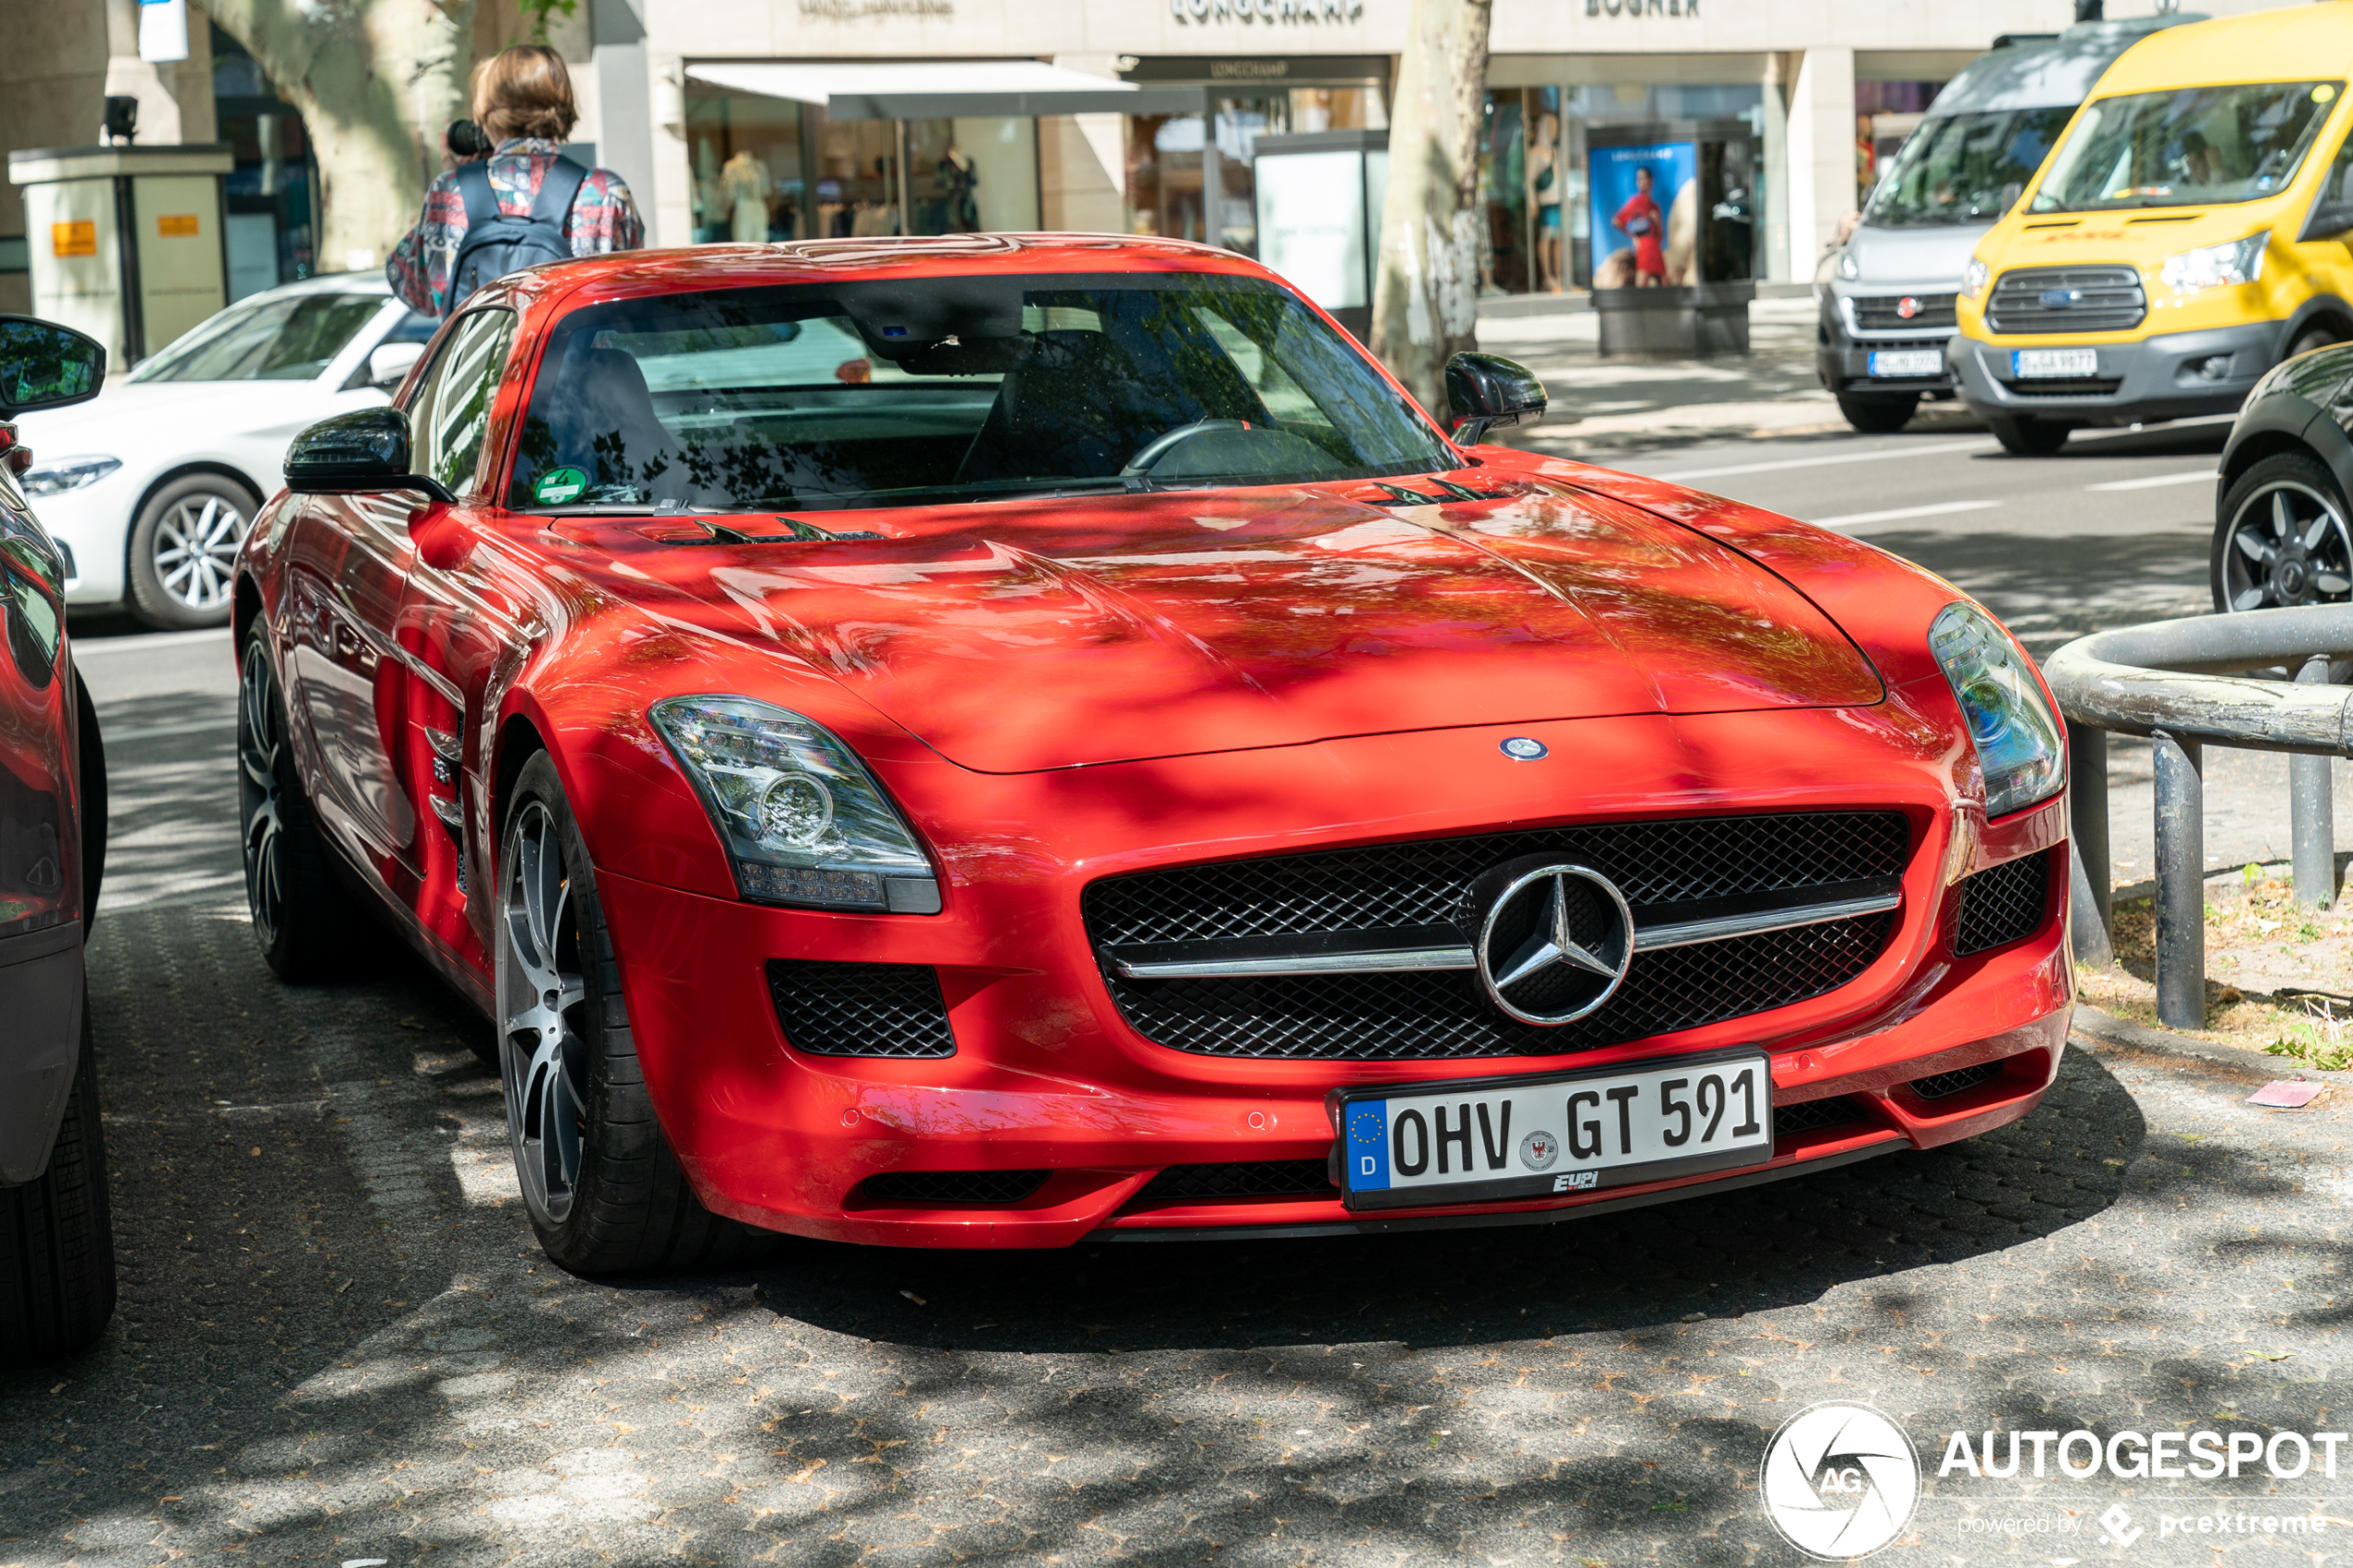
2280, 516
56, 1249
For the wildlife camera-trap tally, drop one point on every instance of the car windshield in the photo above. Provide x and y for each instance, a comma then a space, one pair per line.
891, 393
290, 338
1958, 167
2188, 147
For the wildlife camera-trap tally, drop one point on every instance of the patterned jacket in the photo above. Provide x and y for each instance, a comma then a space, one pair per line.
603, 217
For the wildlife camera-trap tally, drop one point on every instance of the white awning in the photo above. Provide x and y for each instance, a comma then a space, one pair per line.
945, 89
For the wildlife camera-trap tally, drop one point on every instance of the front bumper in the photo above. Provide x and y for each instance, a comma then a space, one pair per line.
2155, 378
1841, 358
1047, 1074
94, 524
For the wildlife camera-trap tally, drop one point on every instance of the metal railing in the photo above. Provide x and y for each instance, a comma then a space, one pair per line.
2182, 683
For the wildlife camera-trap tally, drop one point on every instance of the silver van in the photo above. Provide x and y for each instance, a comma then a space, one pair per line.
1886, 296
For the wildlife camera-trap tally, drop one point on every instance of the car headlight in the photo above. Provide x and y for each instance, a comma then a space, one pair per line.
65, 473
2015, 733
1975, 276
2215, 267
804, 822
1848, 268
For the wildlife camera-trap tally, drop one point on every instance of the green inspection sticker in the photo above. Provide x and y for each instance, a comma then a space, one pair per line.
560, 485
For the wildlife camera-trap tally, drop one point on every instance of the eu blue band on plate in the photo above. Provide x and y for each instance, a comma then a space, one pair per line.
1368, 1145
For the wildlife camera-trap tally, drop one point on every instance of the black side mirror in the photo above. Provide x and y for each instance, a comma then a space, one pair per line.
1487, 392
43, 365
357, 454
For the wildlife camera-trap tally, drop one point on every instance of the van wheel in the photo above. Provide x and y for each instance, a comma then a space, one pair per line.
1878, 413
2027, 436
56, 1236
2317, 337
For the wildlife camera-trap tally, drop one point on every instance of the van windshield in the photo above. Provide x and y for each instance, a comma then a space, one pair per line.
1955, 167
2190, 147
889, 393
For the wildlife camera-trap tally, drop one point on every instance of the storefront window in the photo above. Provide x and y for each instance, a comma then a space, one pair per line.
272, 230
1885, 114
749, 180
971, 176
1173, 164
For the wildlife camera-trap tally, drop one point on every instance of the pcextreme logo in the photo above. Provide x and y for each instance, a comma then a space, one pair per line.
1840, 1480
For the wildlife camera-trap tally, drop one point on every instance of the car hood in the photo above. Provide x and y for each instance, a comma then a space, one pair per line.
1019, 636
1928, 258
122, 415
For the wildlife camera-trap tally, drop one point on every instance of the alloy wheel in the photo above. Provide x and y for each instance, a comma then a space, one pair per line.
196, 549
260, 758
542, 996
2288, 544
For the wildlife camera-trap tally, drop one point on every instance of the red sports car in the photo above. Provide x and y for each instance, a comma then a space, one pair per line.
989, 741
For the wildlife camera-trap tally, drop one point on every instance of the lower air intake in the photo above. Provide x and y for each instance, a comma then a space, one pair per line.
1937, 1085
2004, 905
1259, 1178
992, 1189
860, 1009
1814, 1114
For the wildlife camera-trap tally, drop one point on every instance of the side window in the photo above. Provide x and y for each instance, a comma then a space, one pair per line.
2336, 188
451, 414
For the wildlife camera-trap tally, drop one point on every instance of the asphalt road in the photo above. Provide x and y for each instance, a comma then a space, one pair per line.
339, 1343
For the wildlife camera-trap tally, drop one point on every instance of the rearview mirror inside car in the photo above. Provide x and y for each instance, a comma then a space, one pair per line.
1487, 392
360, 453
43, 365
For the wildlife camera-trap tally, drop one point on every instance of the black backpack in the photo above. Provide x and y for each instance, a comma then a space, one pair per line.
496, 245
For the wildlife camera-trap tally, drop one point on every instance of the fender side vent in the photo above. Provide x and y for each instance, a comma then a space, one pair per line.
860, 1009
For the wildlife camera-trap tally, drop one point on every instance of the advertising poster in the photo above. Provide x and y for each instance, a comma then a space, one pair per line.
1646, 215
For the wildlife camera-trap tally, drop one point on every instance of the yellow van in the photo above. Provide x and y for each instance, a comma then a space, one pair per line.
2192, 227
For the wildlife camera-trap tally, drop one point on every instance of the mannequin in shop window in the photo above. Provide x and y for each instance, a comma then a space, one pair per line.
743, 190
1545, 180
957, 180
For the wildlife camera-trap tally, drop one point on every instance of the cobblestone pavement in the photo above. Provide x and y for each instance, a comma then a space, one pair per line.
338, 1343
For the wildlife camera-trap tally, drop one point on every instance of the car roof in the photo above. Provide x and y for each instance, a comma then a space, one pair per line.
330, 283
637, 273
2054, 73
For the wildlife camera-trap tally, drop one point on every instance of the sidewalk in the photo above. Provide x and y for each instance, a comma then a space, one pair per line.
1627, 406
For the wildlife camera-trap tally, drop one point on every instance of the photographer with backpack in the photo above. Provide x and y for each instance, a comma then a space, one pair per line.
523, 204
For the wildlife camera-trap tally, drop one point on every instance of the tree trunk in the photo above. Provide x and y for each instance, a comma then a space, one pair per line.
1425, 301
377, 82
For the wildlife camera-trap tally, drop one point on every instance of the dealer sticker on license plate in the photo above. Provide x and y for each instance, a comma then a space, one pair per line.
1558, 1134
2026, 363
1914, 362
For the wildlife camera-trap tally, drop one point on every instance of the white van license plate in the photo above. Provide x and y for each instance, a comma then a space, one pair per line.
1912, 362
1480, 1142
2029, 363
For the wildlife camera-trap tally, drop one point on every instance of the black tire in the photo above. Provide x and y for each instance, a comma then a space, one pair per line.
303, 920
2026, 435
601, 1182
2308, 340
90, 766
2257, 563
184, 551
1878, 413
56, 1237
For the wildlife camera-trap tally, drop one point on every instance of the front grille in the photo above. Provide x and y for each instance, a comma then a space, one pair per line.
1883, 313
2106, 299
1814, 1114
996, 1189
1414, 1016
1938, 1086
2004, 905
860, 1009
1255, 1178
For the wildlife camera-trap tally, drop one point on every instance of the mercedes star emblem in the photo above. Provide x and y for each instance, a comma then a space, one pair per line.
1556, 944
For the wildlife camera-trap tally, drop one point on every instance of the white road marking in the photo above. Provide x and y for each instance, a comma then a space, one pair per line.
1898, 514
2156, 479
1918, 450
157, 731
144, 642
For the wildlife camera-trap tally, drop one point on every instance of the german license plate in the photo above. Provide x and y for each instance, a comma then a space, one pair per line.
2028, 363
1557, 1134
1906, 362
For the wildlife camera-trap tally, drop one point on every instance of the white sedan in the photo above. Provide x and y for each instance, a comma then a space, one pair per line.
151, 485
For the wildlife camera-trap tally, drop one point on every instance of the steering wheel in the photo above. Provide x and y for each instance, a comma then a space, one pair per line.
1141, 463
